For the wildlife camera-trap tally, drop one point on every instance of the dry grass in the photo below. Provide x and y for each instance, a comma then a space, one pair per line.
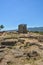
29, 44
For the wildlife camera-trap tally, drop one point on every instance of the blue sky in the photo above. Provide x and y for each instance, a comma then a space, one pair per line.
15, 12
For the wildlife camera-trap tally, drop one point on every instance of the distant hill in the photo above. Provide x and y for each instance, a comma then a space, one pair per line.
40, 29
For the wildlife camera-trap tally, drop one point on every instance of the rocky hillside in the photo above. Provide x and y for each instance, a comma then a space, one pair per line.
39, 29
21, 49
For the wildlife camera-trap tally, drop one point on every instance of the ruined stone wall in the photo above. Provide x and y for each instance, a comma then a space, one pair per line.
22, 28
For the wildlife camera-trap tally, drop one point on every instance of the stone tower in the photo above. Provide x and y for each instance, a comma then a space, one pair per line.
22, 28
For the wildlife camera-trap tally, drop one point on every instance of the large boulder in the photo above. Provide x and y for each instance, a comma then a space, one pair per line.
17, 53
40, 38
21, 40
32, 54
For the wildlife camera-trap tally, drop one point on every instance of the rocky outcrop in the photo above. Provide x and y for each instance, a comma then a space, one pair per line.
9, 42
